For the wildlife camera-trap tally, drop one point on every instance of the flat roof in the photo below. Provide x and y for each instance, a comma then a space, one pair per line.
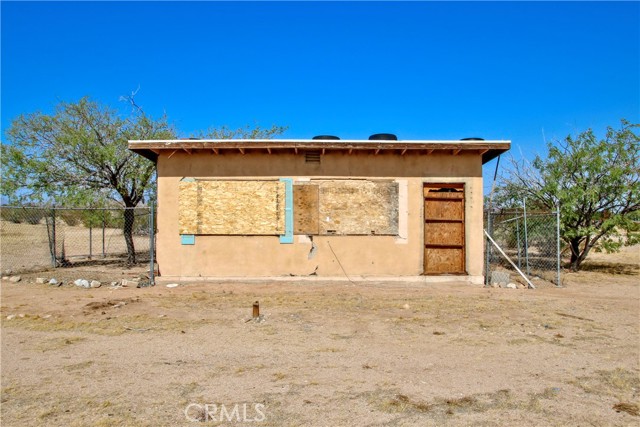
153, 147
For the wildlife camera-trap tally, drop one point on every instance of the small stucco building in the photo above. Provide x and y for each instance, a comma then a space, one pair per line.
320, 207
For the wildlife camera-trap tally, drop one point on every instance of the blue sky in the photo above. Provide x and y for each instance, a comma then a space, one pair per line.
421, 70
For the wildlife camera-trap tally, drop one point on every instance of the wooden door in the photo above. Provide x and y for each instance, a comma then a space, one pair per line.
444, 229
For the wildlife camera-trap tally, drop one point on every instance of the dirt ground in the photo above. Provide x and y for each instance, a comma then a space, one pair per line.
324, 354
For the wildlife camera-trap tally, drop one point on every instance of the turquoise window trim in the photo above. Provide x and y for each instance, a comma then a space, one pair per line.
188, 239
287, 237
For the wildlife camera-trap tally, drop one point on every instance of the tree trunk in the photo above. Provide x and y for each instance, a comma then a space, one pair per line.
129, 218
575, 254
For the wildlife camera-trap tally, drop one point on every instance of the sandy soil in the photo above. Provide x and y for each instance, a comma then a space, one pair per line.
325, 354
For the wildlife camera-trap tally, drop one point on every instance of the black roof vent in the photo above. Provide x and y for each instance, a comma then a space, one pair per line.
331, 137
472, 139
383, 137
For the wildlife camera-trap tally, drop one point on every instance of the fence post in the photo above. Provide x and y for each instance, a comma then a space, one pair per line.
151, 246
90, 241
487, 251
103, 226
526, 240
518, 239
53, 231
559, 258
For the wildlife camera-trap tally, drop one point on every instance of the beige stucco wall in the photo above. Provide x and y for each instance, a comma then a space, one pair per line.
255, 256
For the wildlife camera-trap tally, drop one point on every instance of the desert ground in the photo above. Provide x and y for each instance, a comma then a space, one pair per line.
323, 353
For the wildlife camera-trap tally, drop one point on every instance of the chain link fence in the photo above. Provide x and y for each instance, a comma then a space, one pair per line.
38, 237
530, 241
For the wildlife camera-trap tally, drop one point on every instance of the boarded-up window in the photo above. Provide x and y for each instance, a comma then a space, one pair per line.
305, 209
346, 207
232, 207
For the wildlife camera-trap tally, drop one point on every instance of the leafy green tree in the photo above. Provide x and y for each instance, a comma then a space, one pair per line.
595, 182
78, 155
245, 132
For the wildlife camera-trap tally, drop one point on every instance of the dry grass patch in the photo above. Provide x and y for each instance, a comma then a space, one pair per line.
58, 343
501, 400
617, 382
110, 326
402, 403
611, 268
78, 366
629, 408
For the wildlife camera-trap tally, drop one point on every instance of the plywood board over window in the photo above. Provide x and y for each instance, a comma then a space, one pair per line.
358, 207
232, 207
306, 209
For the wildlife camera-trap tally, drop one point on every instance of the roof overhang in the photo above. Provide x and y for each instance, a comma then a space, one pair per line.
151, 149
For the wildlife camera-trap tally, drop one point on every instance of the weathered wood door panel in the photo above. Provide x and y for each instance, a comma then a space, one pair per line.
448, 232
444, 248
444, 261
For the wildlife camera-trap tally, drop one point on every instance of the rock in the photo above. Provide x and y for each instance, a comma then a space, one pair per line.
511, 286
54, 282
173, 285
95, 284
15, 279
128, 282
41, 280
143, 283
82, 283
5, 277
406, 306
521, 286
11, 317
46, 316
21, 316
495, 285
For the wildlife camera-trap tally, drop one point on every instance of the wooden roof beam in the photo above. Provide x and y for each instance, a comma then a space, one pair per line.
483, 151
174, 152
403, 151
241, 150
268, 150
215, 150
188, 150
377, 151
456, 151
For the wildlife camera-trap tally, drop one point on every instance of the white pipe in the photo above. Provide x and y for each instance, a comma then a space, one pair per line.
509, 259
